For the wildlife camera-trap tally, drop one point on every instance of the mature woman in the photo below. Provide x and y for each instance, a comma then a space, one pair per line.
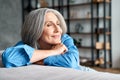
44, 42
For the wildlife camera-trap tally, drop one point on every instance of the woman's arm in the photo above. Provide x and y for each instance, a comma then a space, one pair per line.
22, 54
18, 55
41, 54
69, 59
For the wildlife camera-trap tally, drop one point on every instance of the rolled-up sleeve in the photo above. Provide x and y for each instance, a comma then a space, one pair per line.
16, 56
70, 59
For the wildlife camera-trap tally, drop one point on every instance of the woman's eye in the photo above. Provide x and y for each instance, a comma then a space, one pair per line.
48, 25
58, 23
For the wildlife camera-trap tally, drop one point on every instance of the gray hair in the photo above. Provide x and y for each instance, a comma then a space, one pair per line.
34, 23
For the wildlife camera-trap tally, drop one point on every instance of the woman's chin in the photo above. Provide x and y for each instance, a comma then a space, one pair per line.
58, 42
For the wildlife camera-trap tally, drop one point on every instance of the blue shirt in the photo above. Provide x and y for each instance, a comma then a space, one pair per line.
20, 55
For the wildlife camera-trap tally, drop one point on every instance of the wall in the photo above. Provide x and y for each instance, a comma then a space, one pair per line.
116, 33
10, 22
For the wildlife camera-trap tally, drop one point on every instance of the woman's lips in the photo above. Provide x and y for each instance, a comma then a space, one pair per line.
56, 36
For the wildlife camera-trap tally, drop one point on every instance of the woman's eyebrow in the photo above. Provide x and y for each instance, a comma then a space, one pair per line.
51, 22
47, 22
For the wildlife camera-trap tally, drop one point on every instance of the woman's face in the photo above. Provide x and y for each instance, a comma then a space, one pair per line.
52, 31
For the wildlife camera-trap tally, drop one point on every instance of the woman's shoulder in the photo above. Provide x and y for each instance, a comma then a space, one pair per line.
67, 40
19, 43
18, 46
65, 37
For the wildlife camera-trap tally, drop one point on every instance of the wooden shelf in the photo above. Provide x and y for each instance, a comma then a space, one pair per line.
80, 4
102, 45
103, 49
107, 33
81, 33
85, 47
88, 63
76, 19
101, 1
107, 17
72, 5
87, 33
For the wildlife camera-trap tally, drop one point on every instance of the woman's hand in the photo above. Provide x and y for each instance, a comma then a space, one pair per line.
56, 50
60, 48
39, 55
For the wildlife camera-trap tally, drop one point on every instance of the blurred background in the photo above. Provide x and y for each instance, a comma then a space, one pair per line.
12, 14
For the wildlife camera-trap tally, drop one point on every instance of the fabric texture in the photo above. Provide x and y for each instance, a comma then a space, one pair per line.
37, 72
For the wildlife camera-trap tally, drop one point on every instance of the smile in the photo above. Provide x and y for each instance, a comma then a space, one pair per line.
56, 36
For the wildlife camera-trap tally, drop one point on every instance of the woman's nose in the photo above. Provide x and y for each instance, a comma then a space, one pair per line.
57, 28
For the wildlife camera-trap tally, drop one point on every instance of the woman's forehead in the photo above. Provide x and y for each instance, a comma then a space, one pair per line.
50, 16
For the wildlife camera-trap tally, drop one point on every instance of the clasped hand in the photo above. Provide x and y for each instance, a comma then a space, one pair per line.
60, 48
